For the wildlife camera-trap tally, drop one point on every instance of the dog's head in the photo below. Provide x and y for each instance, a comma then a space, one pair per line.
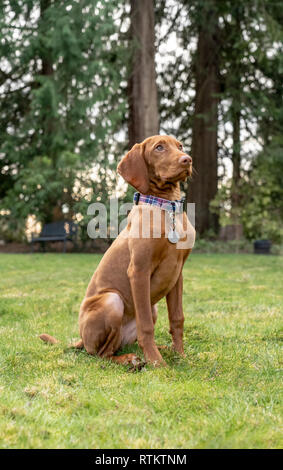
159, 157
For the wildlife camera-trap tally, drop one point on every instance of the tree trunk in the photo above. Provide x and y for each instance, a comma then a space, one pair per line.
236, 155
142, 89
203, 188
236, 123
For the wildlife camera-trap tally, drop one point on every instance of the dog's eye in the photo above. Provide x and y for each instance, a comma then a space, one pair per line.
159, 148
181, 147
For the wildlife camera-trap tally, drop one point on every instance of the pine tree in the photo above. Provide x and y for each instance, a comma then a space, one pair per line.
251, 90
59, 75
203, 188
242, 69
190, 89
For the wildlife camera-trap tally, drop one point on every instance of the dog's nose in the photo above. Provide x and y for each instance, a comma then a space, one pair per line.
185, 160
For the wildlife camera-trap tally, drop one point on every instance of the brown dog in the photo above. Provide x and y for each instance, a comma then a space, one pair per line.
136, 271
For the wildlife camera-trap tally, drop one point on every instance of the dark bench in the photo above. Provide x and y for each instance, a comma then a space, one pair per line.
262, 247
56, 231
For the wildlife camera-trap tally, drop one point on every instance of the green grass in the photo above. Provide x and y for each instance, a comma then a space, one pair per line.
224, 394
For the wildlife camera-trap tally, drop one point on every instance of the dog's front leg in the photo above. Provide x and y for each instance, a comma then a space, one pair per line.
139, 276
176, 317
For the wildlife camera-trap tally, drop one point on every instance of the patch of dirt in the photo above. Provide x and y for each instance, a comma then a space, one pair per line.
97, 246
14, 248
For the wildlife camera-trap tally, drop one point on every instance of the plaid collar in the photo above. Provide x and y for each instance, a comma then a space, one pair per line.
165, 204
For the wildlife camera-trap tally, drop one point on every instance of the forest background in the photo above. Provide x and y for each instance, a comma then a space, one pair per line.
82, 81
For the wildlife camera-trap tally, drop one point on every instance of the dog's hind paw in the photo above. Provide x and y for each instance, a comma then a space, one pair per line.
131, 360
78, 345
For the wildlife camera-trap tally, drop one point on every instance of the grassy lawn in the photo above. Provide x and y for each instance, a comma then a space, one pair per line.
225, 394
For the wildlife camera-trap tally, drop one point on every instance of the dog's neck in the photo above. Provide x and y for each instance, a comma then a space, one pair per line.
165, 190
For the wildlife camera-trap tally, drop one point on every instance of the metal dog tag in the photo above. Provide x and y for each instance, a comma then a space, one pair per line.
173, 236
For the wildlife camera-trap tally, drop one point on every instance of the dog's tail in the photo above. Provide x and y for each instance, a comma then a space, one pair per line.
48, 339
51, 340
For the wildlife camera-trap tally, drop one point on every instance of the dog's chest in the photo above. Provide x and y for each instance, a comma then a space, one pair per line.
150, 223
167, 272
151, 226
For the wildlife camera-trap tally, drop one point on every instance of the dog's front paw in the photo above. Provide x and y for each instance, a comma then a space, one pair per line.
154, 357
179, 349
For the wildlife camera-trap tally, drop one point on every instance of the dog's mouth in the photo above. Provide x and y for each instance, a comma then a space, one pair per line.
180, 176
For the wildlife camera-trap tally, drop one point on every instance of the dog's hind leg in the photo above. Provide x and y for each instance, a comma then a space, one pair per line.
154, 313
100, 323
100, 327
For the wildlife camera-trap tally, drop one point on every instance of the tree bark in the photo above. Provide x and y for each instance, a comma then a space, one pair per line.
236, 123
142, 89
236, 155
203, 188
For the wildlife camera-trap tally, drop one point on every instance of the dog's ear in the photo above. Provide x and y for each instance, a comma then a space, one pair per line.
134, 169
